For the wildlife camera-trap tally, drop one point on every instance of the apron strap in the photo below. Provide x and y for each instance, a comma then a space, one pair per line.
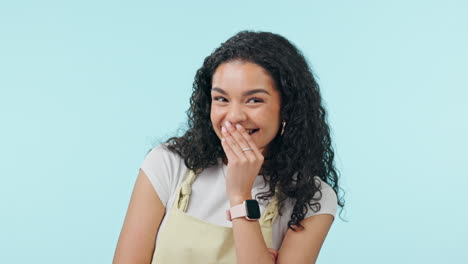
183, 194
271, 212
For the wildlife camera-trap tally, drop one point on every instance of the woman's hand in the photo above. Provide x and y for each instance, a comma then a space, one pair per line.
244, 162
274, 254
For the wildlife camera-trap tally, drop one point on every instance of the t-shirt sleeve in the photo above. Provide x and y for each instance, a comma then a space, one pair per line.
328, 202
162, 167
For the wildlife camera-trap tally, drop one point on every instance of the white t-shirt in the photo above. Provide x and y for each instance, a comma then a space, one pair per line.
208, 200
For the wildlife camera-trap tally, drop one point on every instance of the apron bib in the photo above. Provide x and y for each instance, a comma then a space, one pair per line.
186, 239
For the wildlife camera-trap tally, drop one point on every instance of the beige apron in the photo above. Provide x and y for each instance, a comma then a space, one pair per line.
186, 239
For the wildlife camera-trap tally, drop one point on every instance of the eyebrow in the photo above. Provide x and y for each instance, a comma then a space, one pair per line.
249, 92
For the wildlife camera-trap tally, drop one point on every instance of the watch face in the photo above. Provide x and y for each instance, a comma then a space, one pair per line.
252, 209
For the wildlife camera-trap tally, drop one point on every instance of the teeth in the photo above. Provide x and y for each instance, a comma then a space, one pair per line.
250, 131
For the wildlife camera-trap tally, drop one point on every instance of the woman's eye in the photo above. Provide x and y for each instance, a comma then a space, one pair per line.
219, 99
255, 100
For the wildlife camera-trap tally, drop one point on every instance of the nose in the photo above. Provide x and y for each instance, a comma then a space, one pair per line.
235, 114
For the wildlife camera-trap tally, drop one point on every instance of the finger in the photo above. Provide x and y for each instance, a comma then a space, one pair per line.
251, 155
249, 141
274, 253
237, 135
230, 154
234, 146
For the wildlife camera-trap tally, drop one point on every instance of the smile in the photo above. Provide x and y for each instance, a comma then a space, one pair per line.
251, 131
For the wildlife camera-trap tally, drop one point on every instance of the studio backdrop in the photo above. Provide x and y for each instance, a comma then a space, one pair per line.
88, 87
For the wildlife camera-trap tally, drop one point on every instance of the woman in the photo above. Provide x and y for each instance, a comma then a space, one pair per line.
257, 145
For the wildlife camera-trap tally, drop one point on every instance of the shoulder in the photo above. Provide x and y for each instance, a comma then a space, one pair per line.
161, 158
328, 199
164, 169
161, 153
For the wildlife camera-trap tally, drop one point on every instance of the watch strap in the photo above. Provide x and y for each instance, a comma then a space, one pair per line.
236, 212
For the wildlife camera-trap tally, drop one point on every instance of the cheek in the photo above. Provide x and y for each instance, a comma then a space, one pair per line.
269, 119
215, 118
212, 112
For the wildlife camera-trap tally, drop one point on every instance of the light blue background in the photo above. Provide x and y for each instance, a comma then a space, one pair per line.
87, 87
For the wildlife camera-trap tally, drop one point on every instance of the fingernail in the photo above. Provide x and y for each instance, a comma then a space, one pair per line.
223, 129
238, 126
228, 124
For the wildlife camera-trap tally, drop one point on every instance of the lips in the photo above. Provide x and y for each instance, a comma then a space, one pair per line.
251, 131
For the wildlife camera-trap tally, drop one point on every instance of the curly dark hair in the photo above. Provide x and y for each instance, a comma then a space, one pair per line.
291, 160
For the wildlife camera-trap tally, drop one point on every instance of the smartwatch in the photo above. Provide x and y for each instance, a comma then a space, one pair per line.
248, 209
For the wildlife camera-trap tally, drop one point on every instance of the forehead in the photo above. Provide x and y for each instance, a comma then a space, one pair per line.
239, 76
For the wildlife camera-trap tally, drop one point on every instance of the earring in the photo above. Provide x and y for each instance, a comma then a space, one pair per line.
282, 129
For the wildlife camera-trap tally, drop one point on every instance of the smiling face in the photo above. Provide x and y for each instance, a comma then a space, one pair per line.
244, 93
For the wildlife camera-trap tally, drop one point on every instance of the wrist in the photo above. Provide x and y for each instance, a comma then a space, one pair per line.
238, 199
248, 209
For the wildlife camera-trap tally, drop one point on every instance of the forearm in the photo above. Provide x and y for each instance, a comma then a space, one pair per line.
249, 242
